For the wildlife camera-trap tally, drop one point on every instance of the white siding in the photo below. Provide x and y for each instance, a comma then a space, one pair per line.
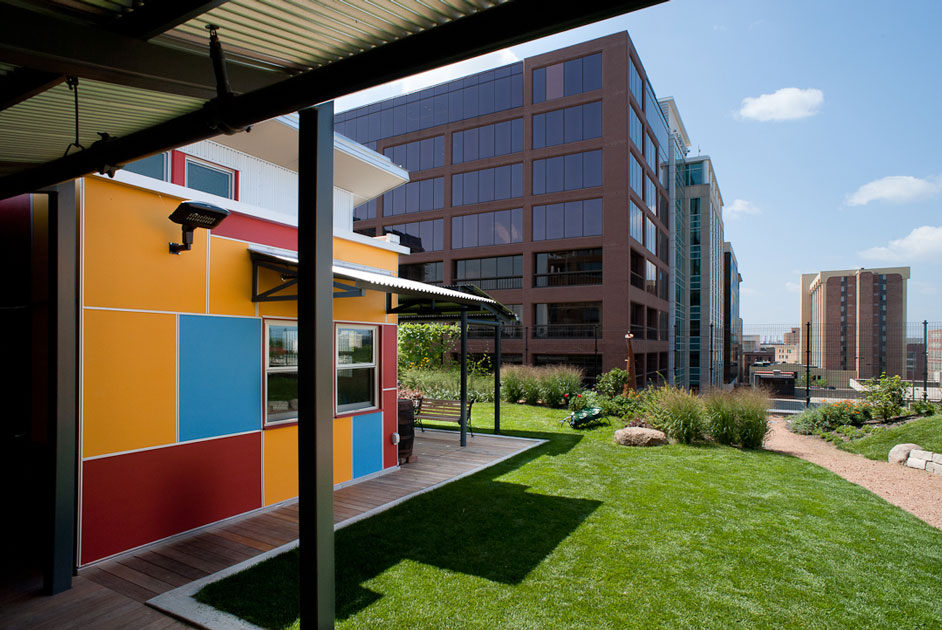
261, 183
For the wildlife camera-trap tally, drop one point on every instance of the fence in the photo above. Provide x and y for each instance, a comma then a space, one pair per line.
825, 361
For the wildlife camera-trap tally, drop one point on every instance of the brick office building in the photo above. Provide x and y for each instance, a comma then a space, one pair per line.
542, 183
858, 320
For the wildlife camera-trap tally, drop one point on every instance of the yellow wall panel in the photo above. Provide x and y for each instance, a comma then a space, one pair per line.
369, 308
287, 308
343, 449
129, 384
127, 260
363, 254
230, 278
281, 464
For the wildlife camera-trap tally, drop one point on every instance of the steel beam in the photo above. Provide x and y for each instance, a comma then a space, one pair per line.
505, 25
50, 44
315, 365
153, 18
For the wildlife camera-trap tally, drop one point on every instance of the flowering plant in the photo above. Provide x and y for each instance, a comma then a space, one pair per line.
575, 402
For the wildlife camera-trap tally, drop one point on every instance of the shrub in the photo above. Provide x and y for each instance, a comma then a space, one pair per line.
677, 413
829, 417
922, 408
753, 420
612, 383
578, 401
446, 384
511, 382
720, 417
556, 381
886, 395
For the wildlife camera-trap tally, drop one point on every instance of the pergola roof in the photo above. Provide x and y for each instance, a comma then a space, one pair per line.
146, 81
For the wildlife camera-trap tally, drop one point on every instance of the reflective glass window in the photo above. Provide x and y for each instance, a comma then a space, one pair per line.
419, 236
567, 220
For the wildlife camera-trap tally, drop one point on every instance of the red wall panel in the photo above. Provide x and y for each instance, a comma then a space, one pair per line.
255, 230
390, 426
388, 368
133, 499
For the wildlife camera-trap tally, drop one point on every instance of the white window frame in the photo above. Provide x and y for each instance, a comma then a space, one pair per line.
231, 172
374, 364
275, 370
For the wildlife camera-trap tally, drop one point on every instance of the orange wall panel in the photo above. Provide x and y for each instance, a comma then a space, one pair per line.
369, 308
268, 279
281, 464
129, 385
127, 260
343, 449
363, 254
230, 278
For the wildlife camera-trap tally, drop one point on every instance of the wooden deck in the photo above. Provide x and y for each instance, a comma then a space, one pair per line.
111, 594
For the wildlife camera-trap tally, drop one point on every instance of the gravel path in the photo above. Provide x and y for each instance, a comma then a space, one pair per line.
916, 491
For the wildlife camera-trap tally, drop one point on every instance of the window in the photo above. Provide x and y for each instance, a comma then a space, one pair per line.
636, 223
356, 367
567, 172
212, 179
487, 228
650, 194
572, 124
635, 177
430, 273
487, 184
568, 320
281, 371
488, 141
568, 268
567, 220
650, 235
365, 211
420, 236
636, 131
476, 95
428, 194
502, 272
635, 84
418, 155
155, 166
567, 78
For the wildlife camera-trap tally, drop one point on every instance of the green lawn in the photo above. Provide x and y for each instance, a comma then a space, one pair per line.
926, 432
581, 533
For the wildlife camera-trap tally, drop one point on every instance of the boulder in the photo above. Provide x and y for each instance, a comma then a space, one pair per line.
639, 436
900, 453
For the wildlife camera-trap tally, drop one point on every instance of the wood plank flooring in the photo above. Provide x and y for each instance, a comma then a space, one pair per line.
111, 594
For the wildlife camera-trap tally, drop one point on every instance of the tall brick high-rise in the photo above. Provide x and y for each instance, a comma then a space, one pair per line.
858, 320
544, 182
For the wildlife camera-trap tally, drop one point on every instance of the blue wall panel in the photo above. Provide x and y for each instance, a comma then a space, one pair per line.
220, 376
367, 444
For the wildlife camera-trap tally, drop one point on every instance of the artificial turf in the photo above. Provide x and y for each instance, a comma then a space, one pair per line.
581, 533
926, 432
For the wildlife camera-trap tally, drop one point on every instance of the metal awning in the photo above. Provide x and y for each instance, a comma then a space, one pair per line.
420, 297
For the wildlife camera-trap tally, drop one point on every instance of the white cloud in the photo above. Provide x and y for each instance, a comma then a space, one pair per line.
792, 287
427, 79
895, 189
785, 104
923, 243
740, 207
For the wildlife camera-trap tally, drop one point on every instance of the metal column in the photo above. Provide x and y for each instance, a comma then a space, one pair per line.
464, 378
808, 365
63, 339
315, 365
925, 350
498, 331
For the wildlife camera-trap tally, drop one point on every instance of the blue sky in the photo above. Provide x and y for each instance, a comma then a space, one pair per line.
822, 121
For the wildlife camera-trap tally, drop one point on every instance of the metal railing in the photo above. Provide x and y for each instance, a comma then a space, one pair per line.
492, 284
567, 278
487, 332
566, 331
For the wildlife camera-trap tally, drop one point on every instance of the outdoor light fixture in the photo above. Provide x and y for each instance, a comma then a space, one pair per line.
192, 215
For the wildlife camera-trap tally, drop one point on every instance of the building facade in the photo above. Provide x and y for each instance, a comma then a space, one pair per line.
934, 355
732, 323
705, 204
858, 320
546, 183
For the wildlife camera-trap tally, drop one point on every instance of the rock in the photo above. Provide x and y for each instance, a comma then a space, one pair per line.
934, 468
918, 464
900, 453
937, 458
920, 454
638, 436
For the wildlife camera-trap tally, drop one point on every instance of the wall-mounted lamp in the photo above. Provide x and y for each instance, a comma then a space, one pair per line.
192, 215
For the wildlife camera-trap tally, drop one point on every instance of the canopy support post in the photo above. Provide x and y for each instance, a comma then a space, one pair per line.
464, 377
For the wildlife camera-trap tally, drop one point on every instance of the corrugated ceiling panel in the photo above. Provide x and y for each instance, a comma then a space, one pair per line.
41, 128
306, 34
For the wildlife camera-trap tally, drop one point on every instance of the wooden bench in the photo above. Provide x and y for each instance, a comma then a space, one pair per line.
442, 411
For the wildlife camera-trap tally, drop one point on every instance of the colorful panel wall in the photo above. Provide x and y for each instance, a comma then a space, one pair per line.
133, 499
220, 376
367, 444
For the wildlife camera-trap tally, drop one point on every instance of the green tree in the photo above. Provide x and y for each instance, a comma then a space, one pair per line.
886, 395
424, 346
